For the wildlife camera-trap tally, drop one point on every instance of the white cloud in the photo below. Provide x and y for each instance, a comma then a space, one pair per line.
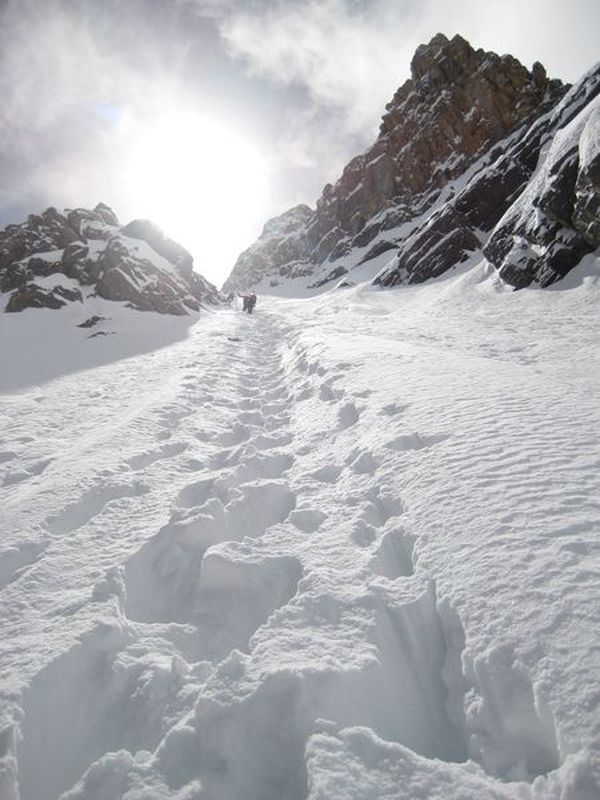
353, 54
349, 56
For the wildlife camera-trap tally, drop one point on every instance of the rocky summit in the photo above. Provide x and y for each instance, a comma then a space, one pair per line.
56, 257
476, 154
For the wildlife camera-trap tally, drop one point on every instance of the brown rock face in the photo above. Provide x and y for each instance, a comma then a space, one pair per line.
42, 232
458, 103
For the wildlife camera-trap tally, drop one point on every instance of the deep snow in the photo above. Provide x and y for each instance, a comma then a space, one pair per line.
346, 548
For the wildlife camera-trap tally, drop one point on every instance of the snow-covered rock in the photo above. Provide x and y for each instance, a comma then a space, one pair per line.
136, 263
443, 126
555, 221
280, 252
475, 154
517, 204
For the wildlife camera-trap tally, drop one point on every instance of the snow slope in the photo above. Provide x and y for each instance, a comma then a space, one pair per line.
346, 548
39, 344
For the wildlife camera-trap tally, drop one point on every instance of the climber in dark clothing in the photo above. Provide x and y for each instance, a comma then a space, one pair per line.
249, 302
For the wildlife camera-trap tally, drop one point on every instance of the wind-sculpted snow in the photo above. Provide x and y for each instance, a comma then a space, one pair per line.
341, 549
48, 343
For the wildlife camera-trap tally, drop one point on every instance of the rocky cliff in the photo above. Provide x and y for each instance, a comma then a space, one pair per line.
280, 252
458, 145
555, 220
56, 257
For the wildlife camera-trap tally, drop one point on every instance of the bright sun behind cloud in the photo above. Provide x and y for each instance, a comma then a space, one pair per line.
203, 184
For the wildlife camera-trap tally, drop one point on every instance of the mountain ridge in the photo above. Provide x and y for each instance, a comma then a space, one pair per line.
48, 260
458, 143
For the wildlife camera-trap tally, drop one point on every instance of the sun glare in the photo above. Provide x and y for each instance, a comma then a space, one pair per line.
203, 183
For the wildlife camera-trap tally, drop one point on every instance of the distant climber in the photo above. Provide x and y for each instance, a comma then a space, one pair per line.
249, 302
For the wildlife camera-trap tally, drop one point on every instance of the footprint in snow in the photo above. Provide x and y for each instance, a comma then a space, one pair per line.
259, 506
348, 415
307, 520
263, 465
226, 458
380, 508
238, 433
363, 534
249, 404
16, 476
195, 494
329, 395
364, 463
394, 556
327, 474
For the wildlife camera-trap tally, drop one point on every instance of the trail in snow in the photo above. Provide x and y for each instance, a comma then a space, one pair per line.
341, 549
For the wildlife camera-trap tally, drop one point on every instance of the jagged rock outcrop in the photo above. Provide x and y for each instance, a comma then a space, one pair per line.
441, 127
532, 205
556, 219
33, 296
151, 234
458, 102
136, 263
281, 250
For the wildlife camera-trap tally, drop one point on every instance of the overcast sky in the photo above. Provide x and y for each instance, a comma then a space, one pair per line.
274, 98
